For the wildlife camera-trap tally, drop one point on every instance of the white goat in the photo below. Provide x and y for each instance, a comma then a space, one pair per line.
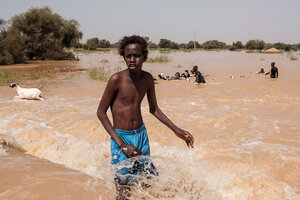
27, 93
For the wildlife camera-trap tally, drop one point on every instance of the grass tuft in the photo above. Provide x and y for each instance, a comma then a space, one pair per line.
292, 57
104, 61
99, 73
7, 77
158, 59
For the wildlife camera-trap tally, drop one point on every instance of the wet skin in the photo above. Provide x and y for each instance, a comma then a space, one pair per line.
124, 93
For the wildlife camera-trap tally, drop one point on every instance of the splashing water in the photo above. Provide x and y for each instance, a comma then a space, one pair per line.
247, 140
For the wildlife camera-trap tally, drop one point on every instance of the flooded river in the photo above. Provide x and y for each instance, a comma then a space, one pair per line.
246, 130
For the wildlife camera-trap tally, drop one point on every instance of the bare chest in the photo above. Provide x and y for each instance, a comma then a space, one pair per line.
130, 93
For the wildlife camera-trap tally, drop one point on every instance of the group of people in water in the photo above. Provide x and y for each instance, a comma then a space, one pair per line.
199, 78
273, 71
185, 75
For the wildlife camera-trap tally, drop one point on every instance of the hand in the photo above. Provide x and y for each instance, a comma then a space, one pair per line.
130, 150
186, 136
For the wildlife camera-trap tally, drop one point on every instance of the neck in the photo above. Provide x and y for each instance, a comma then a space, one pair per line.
135, 76
17, 88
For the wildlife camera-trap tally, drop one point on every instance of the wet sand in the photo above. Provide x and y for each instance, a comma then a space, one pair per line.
246, 130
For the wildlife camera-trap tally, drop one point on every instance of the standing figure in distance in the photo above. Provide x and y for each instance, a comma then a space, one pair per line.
273, 71
124, 93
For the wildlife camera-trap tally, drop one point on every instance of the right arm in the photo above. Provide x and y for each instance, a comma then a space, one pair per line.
107, 98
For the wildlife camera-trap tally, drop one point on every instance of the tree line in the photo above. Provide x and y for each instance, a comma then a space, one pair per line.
95, 43
41, 34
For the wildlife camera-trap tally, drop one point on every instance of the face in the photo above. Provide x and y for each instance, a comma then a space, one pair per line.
12, 85
133, 57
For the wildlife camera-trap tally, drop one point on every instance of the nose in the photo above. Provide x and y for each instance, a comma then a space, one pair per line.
132, 59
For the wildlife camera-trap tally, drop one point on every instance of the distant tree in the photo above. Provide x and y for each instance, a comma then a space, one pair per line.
147, 39
11, 46
164, 43
152, 45
78, 45
45, 33
182, 46
92, 43
251, 44
104, 43
294, 47
255, 44
283, 46
238, 45
213, 44
174, 45
260, 44
84, 46
70, 33
3, 29
268, 46
190, 45
115, 45
298, 46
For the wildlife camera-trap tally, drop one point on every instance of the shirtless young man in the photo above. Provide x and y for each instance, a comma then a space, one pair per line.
123, 94
273, 71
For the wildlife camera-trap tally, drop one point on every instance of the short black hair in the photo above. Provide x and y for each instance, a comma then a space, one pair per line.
134, 39
195, 68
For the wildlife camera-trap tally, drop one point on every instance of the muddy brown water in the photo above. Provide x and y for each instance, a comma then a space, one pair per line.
246, 129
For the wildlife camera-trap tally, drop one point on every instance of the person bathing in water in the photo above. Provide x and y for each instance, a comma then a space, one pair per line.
124, 93
198, 75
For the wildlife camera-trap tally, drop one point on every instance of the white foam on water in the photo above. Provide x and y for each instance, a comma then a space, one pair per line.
2, 150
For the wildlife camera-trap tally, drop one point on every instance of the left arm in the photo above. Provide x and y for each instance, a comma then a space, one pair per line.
155, 110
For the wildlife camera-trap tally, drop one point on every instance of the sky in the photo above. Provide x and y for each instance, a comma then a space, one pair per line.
177, 20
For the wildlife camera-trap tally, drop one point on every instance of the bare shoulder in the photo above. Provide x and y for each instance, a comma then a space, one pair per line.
148, 76
116, 77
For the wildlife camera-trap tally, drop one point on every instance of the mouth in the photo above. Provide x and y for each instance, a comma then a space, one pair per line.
132, 66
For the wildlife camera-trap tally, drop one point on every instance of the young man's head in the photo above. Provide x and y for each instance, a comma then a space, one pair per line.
195, 68
134, 51
272, 64
134, 39
177, 75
